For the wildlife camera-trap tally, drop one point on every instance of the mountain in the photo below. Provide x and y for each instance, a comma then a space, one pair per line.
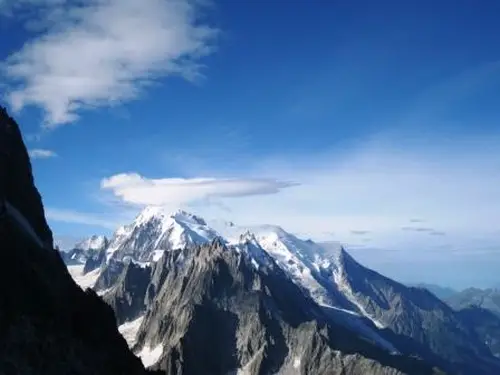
48, 325
155, 231
440, 292
486, 298
93, 243
84, 250
389, 315
412, 317
216, 309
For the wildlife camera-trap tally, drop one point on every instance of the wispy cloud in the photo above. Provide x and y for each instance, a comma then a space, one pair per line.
416, 229
40, 153
357, 232
101, 52
417, 221
135, 189
430, 231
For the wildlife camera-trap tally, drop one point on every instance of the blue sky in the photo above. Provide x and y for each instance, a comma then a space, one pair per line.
372, 123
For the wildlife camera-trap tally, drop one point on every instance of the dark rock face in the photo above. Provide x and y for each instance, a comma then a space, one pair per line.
110, 272
94, 261
17, 178
215, 313
486, 324
48, 325
127, 297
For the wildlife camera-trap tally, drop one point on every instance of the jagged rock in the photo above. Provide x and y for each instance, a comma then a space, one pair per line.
94, 261
127, 298
110, 272
212, 310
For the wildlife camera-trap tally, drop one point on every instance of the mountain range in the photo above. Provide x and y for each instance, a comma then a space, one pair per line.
485, 298
171, 278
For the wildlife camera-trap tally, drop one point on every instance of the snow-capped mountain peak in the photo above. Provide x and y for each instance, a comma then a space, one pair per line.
92, 243
156, 229
158, 213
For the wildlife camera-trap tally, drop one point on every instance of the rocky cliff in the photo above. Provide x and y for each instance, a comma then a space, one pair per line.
48, 325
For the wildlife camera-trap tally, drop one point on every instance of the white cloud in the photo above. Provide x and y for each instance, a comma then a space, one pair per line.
40, 153
135, 189
101, 52
75, 217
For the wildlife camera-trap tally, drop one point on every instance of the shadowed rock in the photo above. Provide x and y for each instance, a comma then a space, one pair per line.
48, 325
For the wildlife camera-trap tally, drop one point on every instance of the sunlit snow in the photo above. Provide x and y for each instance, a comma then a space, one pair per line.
84, 281
149, 356
129, 330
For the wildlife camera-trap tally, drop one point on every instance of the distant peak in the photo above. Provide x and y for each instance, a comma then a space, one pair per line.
158, 212
94, 242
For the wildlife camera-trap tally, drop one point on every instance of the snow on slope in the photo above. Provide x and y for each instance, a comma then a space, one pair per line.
311, 267
316, 269
83, 281
149, 356
341, 280
129, 330
302, 260
154, 230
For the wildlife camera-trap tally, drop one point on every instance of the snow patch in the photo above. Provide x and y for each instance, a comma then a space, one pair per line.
345, 288
296, 362
355, 322
156, 255
149, 356
83, 281
129, 330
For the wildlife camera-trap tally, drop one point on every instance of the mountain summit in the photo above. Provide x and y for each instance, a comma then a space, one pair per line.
154, 231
